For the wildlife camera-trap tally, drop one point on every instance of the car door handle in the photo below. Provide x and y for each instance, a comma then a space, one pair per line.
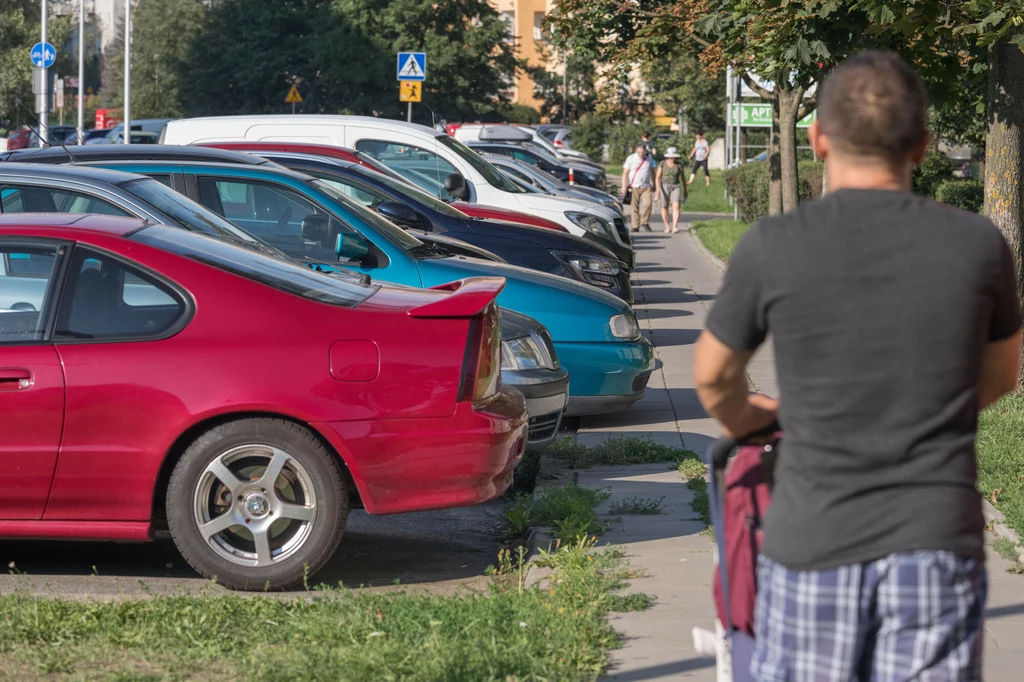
12, 379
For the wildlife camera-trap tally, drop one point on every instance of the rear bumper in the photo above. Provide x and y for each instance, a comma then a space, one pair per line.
606, 377
403, 465
546, 392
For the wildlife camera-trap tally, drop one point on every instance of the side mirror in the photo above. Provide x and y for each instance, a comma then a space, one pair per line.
351, 246
455, 185
399, 213
315, 228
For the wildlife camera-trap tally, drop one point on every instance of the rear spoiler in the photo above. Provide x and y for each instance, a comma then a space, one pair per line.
469, 297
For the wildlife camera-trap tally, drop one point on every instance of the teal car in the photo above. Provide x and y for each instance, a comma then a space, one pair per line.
595, 333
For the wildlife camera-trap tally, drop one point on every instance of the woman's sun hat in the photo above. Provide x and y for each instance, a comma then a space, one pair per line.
672, 153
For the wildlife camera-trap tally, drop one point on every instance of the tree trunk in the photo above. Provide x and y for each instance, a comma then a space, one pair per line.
788, 105
774, 162
1004, 191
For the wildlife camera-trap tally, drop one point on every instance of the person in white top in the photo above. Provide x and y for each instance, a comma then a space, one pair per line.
637, 174
700, 152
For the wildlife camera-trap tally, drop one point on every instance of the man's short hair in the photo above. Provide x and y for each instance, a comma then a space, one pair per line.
874, 104
639, 145
700, 131
647, 134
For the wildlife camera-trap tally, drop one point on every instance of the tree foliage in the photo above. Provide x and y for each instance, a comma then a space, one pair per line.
19, 31
684, 87
581, 74
161, 35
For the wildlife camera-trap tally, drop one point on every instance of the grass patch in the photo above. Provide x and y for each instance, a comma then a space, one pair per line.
1005, 548
704, 199
623, 450
692, 468
1001, 458
701, 502
510, 632
623, 603
638, 505
524, 478
569, 510
720, 236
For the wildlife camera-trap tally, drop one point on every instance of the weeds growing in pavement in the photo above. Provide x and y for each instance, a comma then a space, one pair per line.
1011, 552
701, 503
622, 603
617, 451
638, 505
692, 468
569, 510
511, 632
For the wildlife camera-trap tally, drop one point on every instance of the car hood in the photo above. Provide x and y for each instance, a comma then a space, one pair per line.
516, 325
572, 312
542, 238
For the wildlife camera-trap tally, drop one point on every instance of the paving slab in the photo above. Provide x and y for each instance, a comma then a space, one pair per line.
675, 283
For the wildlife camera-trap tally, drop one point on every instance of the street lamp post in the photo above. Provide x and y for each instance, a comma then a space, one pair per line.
127, 72
81, 72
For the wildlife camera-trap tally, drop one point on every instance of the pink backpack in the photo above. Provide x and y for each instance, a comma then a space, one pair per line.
746, 500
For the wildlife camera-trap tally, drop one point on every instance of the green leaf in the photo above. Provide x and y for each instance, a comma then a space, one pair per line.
993, 19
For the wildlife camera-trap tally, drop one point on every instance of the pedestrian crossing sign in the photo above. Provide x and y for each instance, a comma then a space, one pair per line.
412, 66
410, 91
293, 96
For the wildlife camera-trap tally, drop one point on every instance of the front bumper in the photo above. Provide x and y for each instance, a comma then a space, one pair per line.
606, 377
546, 392
404, 465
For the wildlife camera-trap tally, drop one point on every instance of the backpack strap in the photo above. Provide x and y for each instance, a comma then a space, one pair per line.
642, 163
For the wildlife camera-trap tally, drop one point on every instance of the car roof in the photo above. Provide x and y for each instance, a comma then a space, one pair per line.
330, 150
269, 168
313, 119
66, 173
115, 225
312, 157
127, 152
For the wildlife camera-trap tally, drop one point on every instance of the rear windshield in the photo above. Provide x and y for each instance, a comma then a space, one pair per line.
335, 288
184, 211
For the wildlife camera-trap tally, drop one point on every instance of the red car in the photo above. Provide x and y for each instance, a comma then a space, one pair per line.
152, 377
21, 139
472, 210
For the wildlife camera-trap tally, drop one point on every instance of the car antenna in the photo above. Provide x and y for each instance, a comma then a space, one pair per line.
437, 158
46, 130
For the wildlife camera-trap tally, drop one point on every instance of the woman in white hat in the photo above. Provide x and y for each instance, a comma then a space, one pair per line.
671, 188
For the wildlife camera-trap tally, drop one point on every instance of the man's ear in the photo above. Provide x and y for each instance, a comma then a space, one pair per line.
819, 141
921, 150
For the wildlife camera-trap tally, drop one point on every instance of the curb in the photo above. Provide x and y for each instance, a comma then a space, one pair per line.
996, 523
715, 260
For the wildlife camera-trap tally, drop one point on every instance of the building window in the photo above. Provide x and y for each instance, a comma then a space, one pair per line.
510, 23
538, 26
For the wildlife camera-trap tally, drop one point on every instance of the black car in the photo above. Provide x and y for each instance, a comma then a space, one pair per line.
557, 253
581, 173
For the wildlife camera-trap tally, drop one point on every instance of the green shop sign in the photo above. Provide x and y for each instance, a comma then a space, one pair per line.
760, 116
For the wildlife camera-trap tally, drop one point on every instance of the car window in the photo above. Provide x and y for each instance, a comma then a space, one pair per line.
414, 193
26, 276
163, 178
31, 199
277, 214
363, 195
411, 162
338, 288
389, 230
108, 299
490, 173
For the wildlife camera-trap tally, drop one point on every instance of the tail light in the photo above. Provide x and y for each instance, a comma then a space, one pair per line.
481, 369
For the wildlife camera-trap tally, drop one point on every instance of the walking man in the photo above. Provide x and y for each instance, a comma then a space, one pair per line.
637, 177
894, 320
699, 154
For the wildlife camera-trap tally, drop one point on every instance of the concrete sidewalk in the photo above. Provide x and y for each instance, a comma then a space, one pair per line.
676, 282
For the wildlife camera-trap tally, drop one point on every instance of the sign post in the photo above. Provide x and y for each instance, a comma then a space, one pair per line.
293, 98
81, 71
127, 71
412, 71
43, 56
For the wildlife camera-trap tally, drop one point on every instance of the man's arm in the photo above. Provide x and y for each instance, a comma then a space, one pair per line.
625, 175
721, 378
1000, 365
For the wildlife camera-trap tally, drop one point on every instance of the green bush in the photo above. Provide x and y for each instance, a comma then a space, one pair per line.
520, 113
589, 135
810, 175
968, 195
933, 171
748, 186
622, 139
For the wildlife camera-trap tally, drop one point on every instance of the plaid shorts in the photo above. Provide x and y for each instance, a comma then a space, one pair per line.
915, 616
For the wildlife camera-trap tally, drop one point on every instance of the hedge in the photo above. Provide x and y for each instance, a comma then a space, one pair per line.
748, 186
936, 169
966, 194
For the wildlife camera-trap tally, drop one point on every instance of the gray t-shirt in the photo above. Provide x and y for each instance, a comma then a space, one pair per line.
879, 304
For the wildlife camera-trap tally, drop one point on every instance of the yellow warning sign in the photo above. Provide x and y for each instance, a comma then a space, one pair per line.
293, 96
410, 91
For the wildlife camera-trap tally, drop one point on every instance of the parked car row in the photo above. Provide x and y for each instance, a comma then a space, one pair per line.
255, 340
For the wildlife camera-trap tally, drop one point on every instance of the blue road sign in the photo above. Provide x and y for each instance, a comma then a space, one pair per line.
412, 66
43, 55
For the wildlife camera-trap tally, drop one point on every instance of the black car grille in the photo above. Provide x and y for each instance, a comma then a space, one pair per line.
620, 227
543, 427
640, 383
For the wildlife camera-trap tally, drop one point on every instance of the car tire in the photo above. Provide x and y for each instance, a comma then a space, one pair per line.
246, 533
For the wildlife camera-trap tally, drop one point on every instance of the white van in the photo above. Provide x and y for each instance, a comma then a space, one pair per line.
471, 132
427, 157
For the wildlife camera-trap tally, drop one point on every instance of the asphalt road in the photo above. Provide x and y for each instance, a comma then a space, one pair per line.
438, 551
